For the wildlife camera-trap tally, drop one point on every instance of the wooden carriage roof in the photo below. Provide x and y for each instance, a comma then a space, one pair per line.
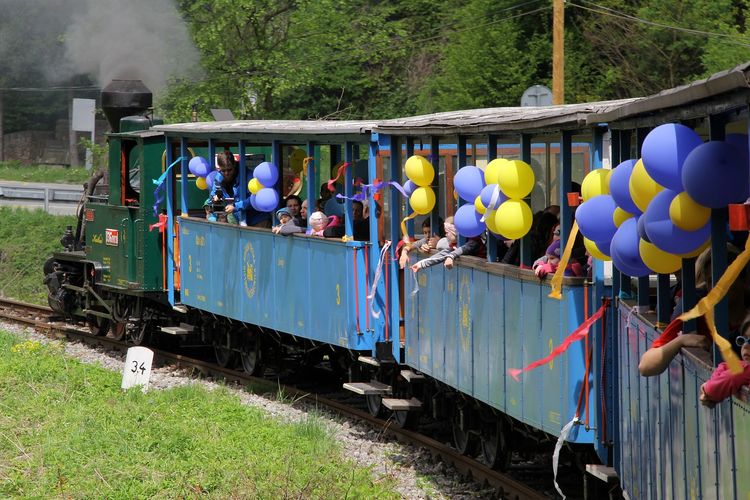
280, 127
694, 99
497, 120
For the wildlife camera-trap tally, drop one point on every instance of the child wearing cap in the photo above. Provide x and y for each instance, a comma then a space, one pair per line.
287, 224
551, 260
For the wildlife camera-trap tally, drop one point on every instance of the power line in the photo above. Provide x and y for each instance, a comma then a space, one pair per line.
621, 15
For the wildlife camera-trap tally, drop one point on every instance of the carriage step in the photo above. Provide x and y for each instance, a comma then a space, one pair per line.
402, 404
410, 376
183, 329
368, 388
601, 472
181, 308
369, 360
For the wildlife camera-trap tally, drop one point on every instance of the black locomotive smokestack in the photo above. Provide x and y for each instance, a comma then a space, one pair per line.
124, 98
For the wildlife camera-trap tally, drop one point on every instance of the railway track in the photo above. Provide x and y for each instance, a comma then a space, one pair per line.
42, 318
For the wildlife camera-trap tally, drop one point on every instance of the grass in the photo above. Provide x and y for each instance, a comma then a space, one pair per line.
27, 239
67, 430
15, 171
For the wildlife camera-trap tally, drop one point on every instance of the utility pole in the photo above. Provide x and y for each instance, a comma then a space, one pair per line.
558, 52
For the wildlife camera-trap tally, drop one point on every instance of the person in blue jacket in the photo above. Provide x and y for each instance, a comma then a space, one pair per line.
227, 187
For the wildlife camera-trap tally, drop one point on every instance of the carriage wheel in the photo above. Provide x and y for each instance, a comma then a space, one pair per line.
375, 405
225, 357
405, 419
97, 325
251, 354
495, 447
465, 441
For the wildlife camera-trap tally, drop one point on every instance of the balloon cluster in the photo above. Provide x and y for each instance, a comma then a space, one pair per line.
262, 198
496, 199
420, 173
649, 214
200, 168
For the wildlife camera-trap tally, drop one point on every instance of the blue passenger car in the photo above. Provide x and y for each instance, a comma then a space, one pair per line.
466, 327
666, 444
248, 280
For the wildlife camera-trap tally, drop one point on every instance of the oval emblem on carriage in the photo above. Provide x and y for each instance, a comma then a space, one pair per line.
248, 264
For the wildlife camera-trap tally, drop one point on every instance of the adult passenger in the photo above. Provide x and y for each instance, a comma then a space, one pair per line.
227, 187
657, 358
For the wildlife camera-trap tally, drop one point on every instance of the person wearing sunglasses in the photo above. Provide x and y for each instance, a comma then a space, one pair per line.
724, 383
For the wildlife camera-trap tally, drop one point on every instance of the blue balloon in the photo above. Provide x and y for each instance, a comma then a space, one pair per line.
604, 247
664, 234
716, 174
265, 200
469, 182
409, 187
664, 151
486, 197
210, 178
619, 186
594, 218
267, 173
739, 141
198, 166
468, 222
624, 250
641, 221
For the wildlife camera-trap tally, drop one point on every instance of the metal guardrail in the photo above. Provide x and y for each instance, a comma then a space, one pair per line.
42, 193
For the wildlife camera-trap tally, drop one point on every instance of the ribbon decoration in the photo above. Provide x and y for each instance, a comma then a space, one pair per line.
705, 307
493, 201
556, 292
411, 216
373, 188
161, 225
341, 168
578, 334
378, 272
159, 183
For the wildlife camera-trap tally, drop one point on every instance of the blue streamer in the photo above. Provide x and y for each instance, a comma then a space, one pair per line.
158, 196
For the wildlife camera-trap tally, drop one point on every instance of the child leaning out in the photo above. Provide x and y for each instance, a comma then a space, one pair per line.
723, 383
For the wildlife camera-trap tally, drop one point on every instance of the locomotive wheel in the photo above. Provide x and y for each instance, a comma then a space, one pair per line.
465, 441
225, 357
251, 354
119, 329
142, 335
99, 326
495, 447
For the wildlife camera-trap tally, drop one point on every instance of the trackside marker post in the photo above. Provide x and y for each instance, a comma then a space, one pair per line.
137, 369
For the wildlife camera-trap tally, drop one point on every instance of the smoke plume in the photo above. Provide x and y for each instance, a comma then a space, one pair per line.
132, 39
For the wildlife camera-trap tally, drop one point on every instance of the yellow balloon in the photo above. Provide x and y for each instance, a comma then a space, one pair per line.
254, 185
419, 170
594, 250
687, 214
478, 205
595, 183
642, 187
297, 159
697, 251
492, 171
620, 216
658, 260
513, 219
489, 219
516, 179
200, 183
422, 200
